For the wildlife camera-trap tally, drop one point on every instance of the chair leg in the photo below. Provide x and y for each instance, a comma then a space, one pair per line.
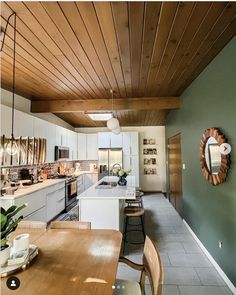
125, 232
143, 231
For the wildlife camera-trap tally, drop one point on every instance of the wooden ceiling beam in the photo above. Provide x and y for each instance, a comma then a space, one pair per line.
144, 103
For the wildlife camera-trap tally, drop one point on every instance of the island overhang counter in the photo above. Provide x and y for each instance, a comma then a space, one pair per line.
104, 207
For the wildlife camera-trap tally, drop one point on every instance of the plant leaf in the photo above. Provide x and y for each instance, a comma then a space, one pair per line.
3, 211
3, 220
11, 209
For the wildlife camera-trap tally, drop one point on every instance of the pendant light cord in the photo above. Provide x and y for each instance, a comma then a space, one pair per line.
111, 91
13, 65
14, 78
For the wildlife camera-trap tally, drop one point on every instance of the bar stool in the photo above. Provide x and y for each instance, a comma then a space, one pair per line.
136, 202
133, 212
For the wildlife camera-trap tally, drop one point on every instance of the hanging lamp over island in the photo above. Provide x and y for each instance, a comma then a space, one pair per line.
113, 123
11, 146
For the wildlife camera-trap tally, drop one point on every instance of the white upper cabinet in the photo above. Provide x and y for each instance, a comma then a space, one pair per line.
109, 140
126, 143
130, 143
92, 147
23, 124
40, 128
82, 146
104, 140
87, 146
134, 144
61, 136
50, 136
5, 121
116, 140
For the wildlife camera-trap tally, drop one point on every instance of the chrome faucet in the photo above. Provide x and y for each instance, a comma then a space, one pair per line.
114, 166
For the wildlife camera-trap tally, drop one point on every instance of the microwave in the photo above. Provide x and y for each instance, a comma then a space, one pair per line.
62, 153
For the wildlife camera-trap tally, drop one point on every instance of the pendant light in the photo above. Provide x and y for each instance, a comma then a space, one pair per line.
116, 131
112, 123
11, 146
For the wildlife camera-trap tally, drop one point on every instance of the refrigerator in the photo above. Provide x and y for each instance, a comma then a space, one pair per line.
107, 159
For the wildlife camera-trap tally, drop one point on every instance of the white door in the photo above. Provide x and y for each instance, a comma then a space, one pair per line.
92, 147
116, 140
126, 143
82, 146
104, 140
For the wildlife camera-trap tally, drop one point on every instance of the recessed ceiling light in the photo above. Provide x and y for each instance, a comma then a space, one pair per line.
100, 116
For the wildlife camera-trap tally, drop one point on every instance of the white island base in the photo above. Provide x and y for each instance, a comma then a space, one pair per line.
104, 207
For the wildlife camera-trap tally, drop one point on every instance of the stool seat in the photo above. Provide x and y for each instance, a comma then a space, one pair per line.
133, 211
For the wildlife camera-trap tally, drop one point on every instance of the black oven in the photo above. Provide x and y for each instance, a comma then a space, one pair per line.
71, 193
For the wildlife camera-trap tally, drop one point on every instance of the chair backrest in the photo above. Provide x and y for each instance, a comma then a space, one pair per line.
32, 224
70, 224
152, 267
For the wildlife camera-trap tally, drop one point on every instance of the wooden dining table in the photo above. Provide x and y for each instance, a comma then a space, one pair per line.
70, 261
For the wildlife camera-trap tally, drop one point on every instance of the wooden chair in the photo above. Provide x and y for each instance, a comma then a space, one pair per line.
27, 224
152, 267
70, 224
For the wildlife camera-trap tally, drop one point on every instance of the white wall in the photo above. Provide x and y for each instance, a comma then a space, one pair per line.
23, 104
147, 182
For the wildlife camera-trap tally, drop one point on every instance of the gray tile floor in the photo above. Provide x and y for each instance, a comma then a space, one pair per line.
187, 270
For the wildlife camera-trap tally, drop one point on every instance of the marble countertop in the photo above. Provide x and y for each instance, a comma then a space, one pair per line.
117, 192
26, 190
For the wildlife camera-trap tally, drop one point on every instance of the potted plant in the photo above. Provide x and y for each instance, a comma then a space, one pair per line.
8, 224
122, 174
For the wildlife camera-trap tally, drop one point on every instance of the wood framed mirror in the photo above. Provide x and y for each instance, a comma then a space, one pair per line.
214, 163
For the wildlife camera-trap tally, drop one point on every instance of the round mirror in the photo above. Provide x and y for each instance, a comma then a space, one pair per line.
214, 164
213, 155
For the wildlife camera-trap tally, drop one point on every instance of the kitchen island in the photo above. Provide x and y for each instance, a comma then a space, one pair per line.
103, 205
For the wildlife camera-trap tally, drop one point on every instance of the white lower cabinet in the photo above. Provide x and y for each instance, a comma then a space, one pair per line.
55, 202
42, 205
90, 179
39, 215
85, 181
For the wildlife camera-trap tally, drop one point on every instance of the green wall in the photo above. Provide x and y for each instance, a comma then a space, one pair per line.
210, 101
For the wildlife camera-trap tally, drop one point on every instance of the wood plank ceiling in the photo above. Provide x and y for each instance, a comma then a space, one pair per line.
81, 50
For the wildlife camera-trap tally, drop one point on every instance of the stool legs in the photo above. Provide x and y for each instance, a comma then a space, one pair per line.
125, 227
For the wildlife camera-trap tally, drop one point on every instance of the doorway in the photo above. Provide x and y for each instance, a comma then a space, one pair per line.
175, 173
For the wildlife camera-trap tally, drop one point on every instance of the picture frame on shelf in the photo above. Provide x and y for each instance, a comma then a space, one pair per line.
150, 171
150, 151
149, 141
149, 161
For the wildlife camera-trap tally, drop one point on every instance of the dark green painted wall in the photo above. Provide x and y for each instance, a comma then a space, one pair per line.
210, 101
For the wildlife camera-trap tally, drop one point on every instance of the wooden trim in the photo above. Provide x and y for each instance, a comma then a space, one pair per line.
145, 103
225, 159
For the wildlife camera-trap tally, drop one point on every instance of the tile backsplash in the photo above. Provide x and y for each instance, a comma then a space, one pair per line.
50, 168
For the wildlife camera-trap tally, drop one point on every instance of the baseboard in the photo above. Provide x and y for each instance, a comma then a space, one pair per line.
212, 260
153, 192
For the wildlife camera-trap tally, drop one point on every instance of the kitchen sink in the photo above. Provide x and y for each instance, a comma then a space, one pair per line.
106, 184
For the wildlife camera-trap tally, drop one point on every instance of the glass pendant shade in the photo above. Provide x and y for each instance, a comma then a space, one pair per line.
12, 147
113, 124
116, 131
